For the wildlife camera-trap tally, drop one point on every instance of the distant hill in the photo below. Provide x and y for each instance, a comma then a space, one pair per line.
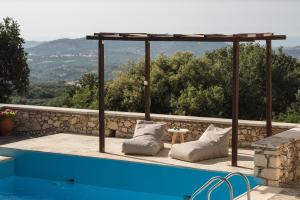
293, 51
291, 41
68, 59
29, 44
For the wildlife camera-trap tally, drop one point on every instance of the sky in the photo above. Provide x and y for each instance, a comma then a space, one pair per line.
52, 19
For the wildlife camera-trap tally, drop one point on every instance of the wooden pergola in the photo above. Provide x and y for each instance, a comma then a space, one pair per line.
235, 39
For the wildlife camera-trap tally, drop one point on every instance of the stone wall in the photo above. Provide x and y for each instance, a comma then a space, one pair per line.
40, 120
277, 158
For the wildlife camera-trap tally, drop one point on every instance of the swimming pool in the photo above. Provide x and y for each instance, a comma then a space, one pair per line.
33, 175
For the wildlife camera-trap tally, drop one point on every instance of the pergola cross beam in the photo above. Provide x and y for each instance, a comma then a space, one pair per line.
242, 37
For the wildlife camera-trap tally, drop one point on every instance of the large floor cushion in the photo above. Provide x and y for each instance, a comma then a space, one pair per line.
212, 144
147, 139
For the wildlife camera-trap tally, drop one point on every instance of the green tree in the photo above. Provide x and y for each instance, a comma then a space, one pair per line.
292, 113
14, 71
126, 91
186, 84
199, 101
85, 94
286, 79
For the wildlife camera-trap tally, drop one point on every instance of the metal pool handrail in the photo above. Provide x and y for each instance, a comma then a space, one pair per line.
222, 179
228, 177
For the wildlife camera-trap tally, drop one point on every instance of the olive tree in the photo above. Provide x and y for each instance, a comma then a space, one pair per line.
14, 71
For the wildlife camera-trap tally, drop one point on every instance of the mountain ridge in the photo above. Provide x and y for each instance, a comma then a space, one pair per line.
67, 59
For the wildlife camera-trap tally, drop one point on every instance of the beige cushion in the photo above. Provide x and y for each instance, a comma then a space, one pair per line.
212, 144
146, 139
216, 135
151, 128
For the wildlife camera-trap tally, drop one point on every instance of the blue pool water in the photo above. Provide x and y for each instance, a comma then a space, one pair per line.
48, 176
32, 189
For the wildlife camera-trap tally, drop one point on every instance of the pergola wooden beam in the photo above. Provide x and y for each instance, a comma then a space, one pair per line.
242, 37
147, 38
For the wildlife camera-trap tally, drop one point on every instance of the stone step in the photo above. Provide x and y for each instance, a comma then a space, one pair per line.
7, 166
4, 158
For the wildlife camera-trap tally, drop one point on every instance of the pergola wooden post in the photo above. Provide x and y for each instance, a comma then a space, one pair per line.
235, 100
147, 97
269, 88
101, 96
236, 39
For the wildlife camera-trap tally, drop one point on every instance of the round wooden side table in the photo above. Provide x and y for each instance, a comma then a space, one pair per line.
176, 132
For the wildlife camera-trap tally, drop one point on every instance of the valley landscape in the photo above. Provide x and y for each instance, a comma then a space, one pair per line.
68, 59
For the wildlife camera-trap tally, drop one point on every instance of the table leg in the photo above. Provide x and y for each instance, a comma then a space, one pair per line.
174, 136
181, 137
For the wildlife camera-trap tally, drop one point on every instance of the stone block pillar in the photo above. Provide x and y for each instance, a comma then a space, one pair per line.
277, 157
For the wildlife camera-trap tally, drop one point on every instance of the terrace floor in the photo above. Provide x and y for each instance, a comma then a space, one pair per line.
88, 146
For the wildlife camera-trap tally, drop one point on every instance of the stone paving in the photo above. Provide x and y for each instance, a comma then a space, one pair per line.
290, 192
11, 139
88, 146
